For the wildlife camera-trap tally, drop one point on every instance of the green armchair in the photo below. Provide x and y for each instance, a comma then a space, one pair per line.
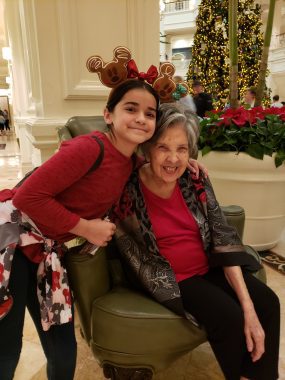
81, 125
130, 334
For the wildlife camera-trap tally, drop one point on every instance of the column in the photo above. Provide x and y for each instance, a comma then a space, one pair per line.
51, 41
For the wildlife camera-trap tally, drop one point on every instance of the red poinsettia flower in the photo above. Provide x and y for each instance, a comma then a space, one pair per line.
254, 114
237, 116
281, 113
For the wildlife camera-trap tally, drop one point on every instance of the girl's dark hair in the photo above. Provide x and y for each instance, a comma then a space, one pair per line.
117, 93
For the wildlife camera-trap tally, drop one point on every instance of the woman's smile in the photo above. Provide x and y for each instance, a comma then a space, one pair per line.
170, 169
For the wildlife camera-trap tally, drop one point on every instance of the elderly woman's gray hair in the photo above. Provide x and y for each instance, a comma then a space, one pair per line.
169, 115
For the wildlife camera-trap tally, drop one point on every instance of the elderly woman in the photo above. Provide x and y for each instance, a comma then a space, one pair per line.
173, 236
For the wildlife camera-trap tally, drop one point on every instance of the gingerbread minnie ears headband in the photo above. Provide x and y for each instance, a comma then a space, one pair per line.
122, 67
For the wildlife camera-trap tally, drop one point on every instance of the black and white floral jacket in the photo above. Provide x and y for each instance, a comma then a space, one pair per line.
138, 247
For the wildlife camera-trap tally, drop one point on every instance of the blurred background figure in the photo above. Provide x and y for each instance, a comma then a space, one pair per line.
7, 121
202, 100
187, 101
276, 103
249, 97
2, 122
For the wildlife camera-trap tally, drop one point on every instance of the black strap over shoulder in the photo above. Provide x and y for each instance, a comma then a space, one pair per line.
97, 163
27, 175
95, 166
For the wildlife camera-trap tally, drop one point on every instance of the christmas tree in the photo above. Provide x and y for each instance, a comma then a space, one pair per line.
210, 52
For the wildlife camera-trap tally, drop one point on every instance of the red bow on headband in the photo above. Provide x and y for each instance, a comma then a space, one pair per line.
149, 76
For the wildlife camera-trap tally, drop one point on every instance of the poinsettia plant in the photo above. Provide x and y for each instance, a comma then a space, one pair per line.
255, 131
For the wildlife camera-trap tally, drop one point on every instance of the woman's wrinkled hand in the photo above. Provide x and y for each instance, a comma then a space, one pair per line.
195, 166
254, 334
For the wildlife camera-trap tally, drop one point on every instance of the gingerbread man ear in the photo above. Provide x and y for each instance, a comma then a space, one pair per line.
164, 85
112, 73
122, 54
94, 64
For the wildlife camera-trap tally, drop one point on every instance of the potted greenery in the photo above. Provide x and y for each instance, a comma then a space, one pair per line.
255, 131
245, 153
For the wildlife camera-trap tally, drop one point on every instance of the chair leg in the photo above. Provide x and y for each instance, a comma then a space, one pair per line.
118, 373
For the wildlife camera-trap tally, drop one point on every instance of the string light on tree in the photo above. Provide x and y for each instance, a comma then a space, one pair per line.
210, 51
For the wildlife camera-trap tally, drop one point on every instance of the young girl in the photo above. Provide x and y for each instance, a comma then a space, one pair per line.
61, 199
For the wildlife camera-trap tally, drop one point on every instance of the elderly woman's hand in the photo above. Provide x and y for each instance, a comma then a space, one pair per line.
253, 330
254, 334
195, 166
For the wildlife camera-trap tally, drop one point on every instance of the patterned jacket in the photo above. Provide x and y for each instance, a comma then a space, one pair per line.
18, 230
138, 247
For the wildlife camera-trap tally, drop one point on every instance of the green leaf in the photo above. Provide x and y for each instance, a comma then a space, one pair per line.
279, 158
206, 150
255, 151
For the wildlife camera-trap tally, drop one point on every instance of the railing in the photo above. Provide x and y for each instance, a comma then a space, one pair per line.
182, 64
278, 41
176, 6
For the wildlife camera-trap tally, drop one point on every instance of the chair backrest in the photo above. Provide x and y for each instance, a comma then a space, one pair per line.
81, 125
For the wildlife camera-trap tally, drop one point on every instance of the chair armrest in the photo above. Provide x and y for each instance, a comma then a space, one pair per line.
235, 216
261, 274
89, 279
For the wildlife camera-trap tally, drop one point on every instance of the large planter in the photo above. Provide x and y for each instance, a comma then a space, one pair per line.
256, 185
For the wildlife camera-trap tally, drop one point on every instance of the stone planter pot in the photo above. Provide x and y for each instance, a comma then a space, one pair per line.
256, 185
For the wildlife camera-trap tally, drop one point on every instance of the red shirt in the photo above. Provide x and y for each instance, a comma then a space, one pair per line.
61, 191
177, 234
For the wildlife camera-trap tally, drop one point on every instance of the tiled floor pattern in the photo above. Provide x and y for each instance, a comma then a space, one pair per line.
198, 365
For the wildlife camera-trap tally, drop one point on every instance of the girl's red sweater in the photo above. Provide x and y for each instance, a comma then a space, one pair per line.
61, 191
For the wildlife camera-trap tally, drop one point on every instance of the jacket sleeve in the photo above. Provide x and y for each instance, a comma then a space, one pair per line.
226, 246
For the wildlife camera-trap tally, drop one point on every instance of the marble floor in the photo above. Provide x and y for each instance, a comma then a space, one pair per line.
199, 365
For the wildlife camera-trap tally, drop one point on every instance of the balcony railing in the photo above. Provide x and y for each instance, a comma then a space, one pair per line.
181, 66
176, 6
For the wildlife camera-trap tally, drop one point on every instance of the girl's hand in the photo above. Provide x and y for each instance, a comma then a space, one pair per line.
254, 334
195, 166
96, 231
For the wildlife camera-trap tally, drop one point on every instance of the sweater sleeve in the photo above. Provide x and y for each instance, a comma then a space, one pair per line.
37, 195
